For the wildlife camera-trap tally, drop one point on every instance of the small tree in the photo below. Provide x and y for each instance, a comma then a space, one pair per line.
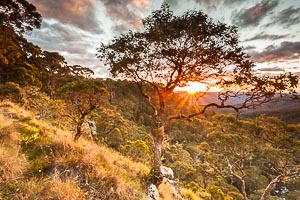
173, 50
83, 97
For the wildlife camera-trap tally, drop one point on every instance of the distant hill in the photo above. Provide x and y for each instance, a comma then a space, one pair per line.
286, 108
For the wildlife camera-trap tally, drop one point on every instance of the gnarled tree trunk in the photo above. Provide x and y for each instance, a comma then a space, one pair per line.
157, 154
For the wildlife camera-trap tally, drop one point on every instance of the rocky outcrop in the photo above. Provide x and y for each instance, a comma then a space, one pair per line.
167, 172
174, 186
93, 129
152, 192
169, 189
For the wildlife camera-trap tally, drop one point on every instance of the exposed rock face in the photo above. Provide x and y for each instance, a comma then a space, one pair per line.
175, 189
169, 189
152, 192
93, 129
167, 172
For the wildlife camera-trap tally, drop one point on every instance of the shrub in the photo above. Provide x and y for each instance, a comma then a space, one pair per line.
10, 91
137, 150
193, 186
216, 192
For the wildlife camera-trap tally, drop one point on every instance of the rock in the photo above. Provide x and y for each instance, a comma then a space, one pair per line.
167, 172
152, 192
175, 188
93, 129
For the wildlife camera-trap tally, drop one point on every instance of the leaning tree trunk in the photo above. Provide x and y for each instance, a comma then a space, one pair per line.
157, 155
270, 187
243, 185
240, 178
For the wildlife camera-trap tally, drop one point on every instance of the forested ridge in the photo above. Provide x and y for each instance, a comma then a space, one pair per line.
207, 154
67, 135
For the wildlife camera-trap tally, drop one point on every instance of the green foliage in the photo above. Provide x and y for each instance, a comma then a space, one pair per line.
255, 178
9, 190
183, 171
10, 91
235, 195
114, 138
83, 97
34, 99
20, 15
224, 118
193, 186
30, 135
137, 150
216, 192
293, 194
110, 118
190, 195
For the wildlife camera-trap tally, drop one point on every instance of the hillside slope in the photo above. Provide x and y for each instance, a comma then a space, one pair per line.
39, 161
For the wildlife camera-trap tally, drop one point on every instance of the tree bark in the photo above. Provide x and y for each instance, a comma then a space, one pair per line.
157, 155
240, 178
78, 128
270, 187
243, 185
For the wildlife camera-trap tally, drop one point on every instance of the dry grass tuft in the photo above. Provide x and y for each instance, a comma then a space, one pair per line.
8, 135
12, 164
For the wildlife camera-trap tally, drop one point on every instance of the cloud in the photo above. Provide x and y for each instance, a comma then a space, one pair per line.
230, 2
55, 33
248, 48
172, 2
64, 32
207, 2
79, 13
253, 15
287, 17
264, 36
60, 38
271, 69
124, 12
286, 50
213, 3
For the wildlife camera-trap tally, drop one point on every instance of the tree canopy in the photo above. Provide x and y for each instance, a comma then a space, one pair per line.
19, 15
172, 51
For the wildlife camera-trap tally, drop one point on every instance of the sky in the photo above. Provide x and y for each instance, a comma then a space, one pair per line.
269, 30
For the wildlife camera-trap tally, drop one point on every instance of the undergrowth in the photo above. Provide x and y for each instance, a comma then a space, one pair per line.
39, 161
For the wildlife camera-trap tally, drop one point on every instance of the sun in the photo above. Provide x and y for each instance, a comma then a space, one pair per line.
193, 87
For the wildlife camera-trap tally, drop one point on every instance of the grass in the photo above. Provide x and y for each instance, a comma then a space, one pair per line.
40, 161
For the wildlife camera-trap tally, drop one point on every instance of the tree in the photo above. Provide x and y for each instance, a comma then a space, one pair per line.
83, 97
54, 68
55, 71
255, 156
19, 15
172, 51
16, 53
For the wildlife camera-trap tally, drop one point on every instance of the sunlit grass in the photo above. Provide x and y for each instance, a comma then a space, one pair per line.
56, 167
